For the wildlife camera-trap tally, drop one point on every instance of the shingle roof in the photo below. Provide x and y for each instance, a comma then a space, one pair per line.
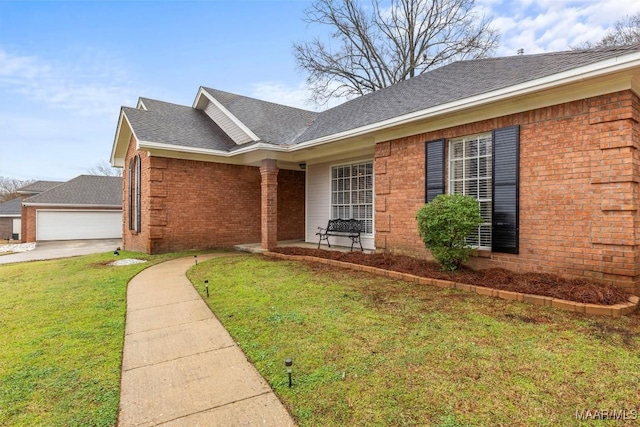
272, 123
83, 190
450, 83
11, 208
178, 125
278, 124
39, 186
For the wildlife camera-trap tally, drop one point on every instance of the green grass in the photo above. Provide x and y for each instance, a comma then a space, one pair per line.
61, 337
377, 352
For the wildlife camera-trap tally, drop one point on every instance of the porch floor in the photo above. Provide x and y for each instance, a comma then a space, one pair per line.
257, 247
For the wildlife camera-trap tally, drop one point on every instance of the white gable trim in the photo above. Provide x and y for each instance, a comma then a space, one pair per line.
117, 155
231, 127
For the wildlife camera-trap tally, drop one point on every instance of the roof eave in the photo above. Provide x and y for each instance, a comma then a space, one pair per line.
206, 151
118, 156
72, 205
601, 68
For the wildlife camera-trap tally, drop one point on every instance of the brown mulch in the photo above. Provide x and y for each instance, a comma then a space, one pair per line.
551, 285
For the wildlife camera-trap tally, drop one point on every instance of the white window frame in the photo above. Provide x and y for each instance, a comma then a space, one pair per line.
369, 215
476, 184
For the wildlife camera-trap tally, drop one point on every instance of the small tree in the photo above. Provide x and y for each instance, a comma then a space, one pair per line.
444, 224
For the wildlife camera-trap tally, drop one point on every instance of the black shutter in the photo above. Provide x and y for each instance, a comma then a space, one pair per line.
433, 169
505, 216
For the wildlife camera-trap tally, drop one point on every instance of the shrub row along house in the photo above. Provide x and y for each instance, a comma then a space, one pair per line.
547, 143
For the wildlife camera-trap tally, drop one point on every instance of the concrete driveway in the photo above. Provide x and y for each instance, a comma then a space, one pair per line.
63, 249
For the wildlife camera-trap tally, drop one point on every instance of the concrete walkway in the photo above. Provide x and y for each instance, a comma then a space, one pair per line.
63, 249
180, 366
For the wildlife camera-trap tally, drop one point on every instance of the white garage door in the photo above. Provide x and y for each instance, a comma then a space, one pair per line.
72, 225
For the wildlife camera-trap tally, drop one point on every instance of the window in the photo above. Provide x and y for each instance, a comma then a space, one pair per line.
352, 193
470, 174
134, 199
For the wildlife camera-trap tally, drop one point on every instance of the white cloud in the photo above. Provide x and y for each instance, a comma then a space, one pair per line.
90, 85
554, 25
291, 95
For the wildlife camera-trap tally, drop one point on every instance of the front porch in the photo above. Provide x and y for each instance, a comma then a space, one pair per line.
257, 247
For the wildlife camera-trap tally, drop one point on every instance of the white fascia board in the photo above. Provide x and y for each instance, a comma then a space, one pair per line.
601, 68
10, 215
196, 150
141, 105
73, 205
233, 118
123, 117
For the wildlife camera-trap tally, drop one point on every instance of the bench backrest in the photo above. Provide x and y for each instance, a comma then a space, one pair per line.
345, 225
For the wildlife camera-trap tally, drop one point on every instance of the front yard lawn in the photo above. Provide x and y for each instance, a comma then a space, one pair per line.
369, 350
62, 331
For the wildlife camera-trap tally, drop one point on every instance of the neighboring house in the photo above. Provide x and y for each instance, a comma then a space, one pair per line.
37, 187
85, 207
547, 143
10, 219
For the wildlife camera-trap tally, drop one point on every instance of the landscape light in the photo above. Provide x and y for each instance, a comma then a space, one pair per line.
289, 363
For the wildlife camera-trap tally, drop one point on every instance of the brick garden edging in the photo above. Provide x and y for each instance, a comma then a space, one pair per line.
616, 310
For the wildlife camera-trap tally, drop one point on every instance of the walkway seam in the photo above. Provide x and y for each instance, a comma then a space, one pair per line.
177, 358
216, 407
172, 343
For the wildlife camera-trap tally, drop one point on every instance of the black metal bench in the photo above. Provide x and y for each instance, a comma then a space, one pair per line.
350, 228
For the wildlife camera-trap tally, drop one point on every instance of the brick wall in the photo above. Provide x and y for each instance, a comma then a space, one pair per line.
6, 228
291, 205
132, 240
199, 205
579, 172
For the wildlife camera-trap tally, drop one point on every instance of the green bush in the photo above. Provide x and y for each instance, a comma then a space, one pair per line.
444, 223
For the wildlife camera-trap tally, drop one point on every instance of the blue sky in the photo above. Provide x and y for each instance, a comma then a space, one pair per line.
66, 67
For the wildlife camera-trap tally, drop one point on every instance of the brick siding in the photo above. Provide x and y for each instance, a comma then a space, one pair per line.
190, 204
579, 173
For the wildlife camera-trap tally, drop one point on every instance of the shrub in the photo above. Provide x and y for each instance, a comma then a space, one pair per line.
444, 223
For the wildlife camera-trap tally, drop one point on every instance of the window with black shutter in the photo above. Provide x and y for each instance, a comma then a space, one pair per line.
434, 169
505, 223
485, 166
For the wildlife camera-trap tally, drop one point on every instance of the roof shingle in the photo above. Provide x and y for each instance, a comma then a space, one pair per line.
175, 124
451, 83
11, 208
83, 190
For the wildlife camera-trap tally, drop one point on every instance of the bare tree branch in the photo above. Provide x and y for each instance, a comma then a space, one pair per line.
375, 45
625, 31
103, 168
10, 186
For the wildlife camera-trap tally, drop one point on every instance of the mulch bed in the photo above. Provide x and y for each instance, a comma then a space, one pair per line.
551, 285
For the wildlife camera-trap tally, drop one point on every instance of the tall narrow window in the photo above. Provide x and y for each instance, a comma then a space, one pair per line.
352, 193
134, 199
131, 193
138, 210
470, 174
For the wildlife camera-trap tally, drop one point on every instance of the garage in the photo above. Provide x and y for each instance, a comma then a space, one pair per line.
85, 207
78, 224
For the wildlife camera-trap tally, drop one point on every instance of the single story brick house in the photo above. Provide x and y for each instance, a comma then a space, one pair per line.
85, 207
547, 143
10, 219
